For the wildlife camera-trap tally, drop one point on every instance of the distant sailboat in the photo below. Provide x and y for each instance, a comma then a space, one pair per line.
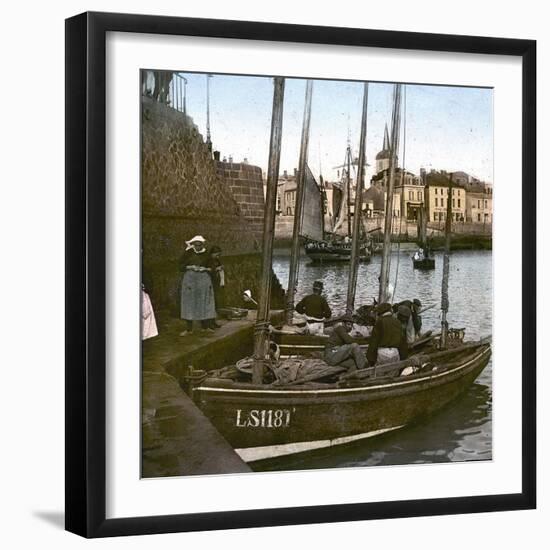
327, 247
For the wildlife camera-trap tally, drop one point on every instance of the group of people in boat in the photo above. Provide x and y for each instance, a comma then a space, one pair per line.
391, 330
202, 285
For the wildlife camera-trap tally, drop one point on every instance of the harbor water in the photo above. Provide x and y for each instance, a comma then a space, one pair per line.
462, 431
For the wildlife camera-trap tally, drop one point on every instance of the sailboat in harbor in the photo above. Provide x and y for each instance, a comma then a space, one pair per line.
266, 407
327, 246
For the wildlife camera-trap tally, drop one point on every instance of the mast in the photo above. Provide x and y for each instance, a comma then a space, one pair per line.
446, 259
354, 264
262, 319
348, 186
385, 267
300, 184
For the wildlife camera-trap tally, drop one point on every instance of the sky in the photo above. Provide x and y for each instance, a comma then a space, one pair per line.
445, 127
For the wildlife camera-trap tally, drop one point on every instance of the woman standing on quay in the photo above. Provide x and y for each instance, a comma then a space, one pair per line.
197, 294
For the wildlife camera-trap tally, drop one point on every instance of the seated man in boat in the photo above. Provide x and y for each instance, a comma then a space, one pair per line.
315, 308
341, 350
387, 344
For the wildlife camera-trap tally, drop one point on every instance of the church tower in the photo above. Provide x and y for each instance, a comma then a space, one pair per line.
383, 157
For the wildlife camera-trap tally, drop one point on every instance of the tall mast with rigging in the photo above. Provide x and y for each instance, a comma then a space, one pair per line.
348, 185
354, 264
395, 122
446, 260
298, 209
262, 318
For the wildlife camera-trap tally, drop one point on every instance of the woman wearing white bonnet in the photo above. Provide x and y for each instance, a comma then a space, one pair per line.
197, 293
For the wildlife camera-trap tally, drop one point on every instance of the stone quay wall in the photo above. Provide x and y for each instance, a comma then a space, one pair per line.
184, 194
247, 187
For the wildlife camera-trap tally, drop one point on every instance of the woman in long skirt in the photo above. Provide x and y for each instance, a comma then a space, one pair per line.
197, 293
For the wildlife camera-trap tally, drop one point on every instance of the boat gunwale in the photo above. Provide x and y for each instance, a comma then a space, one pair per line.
283, 391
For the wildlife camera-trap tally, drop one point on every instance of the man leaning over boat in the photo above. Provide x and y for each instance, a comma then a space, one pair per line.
388, 343
315, 308
341, 350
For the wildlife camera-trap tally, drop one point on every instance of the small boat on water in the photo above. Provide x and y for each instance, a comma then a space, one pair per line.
335, 251
423, 258
422, 261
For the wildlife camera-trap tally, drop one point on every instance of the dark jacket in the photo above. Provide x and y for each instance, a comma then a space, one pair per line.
387, 333
314, 305
190, 257
338, 337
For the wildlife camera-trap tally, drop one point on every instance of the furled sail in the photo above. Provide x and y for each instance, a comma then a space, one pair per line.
312, 213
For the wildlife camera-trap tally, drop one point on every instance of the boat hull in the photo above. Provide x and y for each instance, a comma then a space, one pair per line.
426, 263
264, 423
328, 253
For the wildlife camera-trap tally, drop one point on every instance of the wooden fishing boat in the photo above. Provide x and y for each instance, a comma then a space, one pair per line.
264, 421
329, 252
264, 414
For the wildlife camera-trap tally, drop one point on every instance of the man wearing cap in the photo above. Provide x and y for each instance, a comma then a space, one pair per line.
341, 350
416, 318
197, 293
387, 344
404, 317
406, 307
316, 310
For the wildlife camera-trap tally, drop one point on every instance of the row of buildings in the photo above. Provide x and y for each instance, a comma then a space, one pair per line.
472, 199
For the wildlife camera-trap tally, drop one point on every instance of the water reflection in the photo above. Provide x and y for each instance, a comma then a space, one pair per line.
463, 429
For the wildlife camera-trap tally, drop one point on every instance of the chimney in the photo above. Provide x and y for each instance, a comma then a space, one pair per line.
245, 160
230, 159
285, 175
216, 155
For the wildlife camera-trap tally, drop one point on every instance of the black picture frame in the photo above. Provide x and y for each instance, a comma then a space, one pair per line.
86, 284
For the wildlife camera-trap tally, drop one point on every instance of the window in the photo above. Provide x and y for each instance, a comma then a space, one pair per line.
419, 195
479, 217
453, 191
478, 203
435, 216
410, 195
459, 203
485, 203
436, 201
453, 203
436, 190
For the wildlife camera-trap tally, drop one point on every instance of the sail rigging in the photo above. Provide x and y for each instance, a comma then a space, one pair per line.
261, 339
312, 223
354, 263
446, 261
385, 264
300, 185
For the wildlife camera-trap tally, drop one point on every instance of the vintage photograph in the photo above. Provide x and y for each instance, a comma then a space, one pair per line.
317, 273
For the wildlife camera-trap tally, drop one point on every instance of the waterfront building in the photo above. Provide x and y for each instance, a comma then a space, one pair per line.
479, 204
437, 195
